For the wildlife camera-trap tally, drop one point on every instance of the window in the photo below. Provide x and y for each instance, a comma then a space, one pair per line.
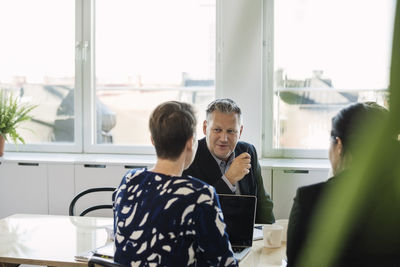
148, 52
38, 65
326, 55
96, 69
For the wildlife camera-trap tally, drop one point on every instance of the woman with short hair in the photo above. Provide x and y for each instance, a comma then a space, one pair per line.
162, 218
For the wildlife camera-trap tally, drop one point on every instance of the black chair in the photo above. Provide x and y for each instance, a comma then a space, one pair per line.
98, 261
96, 207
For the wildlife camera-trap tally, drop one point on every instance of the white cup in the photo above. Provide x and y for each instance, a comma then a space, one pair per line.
284, 224
272, 234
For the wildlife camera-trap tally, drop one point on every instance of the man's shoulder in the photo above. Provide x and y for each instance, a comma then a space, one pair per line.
244, 146
203, 155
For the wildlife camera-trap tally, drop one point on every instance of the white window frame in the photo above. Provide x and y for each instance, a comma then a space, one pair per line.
244, 71
75, 147
89, 106
84, 92
269, 125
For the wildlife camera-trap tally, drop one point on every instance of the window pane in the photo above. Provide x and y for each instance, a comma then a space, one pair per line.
37, 63
327, 54
148, 52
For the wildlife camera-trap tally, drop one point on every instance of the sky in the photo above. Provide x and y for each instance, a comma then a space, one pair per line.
350, 40
145, 38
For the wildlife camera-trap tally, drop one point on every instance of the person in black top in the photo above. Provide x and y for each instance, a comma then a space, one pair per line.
368, 244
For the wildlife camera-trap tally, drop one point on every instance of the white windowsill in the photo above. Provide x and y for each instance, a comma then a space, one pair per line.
140, 160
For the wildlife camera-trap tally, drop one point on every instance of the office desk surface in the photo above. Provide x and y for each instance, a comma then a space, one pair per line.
263, 256
55, 240
50, 240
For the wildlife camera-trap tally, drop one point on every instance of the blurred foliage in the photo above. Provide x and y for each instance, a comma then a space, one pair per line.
372, 181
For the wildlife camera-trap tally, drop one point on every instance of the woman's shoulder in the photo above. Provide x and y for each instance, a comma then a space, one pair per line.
311, 189
188, 185
134, 173
197, 183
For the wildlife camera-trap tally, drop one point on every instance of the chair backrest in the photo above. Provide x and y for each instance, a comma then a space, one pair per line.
92, 208
97, 261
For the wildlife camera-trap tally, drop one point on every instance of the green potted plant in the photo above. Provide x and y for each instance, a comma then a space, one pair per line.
12, 113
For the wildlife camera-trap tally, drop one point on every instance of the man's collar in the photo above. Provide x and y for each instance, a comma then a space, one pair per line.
230, 159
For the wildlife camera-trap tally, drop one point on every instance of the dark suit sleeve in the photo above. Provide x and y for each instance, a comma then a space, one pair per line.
221, 187
295, 232
264, 203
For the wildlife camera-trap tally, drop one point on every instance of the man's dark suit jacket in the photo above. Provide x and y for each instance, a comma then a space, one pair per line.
368, 244
205, 168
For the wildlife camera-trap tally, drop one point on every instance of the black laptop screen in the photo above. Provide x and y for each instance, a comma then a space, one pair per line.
239, 218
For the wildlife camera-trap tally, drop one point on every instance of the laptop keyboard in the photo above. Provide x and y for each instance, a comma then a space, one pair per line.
237, 249
239, 252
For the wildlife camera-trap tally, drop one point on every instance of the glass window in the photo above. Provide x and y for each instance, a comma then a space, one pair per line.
327, 54
38, 64
147, 52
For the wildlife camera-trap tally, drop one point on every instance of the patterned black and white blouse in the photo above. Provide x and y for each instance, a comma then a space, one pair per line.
161, 220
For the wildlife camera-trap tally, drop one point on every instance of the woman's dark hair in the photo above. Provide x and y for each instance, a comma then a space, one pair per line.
171, 125
348, 122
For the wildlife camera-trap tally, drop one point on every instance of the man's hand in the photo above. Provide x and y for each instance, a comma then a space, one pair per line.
239, 168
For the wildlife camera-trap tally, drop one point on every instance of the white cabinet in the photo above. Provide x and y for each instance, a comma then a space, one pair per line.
267, 179
61, 187
284, 186
97, 175
48, 185
23, 188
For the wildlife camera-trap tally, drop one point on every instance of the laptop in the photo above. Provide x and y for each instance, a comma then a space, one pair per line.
105, 252
239, 216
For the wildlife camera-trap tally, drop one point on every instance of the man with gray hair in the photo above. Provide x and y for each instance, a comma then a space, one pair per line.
230, 165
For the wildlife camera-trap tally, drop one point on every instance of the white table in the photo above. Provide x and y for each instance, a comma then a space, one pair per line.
263, 256
55, 240
50, 240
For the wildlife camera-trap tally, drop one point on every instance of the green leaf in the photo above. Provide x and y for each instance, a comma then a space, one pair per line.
373, 181
12, 113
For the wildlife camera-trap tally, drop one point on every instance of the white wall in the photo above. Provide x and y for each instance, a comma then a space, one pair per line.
239, 75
